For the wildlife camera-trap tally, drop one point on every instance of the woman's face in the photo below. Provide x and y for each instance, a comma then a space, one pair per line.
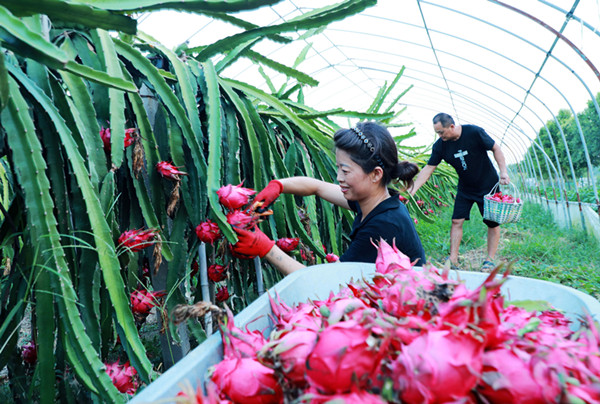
354, 182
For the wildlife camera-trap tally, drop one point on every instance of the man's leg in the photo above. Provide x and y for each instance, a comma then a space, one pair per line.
493, 239
456, 233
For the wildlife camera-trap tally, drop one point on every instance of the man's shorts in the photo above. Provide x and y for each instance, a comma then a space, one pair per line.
463, 205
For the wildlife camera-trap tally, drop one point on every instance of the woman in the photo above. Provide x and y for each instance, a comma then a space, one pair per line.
367, 161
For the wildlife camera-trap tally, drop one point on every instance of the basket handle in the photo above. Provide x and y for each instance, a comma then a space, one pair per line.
497, 187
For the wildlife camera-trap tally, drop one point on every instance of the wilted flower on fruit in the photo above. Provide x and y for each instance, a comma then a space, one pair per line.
169, 171
288, 244
142, 301
234, 196
138, 239
222, 294
217, 273
208, 231
123, 377
331, 257
245, 380
29, 353
240, 219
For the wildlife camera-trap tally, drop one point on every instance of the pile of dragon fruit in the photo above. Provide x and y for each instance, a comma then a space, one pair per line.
505, 198
408, 336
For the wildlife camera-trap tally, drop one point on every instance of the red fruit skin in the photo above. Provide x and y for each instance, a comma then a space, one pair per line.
168, 170
217, 273
331, 257
208, 232
29, 353
245, 380
137, 239
222, 294
142, 301
240, 219
234, 196
123, 377
288, 244
342, 357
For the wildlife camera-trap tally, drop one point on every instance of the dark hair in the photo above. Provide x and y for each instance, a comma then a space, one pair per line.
384, 152
443, 118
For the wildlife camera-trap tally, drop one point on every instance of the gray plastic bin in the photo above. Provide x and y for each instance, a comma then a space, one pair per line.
317, 282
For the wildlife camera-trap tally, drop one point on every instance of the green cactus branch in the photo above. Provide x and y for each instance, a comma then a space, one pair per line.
85, 15
187, 5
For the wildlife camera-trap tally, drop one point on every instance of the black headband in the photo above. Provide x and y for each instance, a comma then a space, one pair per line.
369, 145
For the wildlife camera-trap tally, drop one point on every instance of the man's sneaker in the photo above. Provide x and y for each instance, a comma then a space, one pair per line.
487, 266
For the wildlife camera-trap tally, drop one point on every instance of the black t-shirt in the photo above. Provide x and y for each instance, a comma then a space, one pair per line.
468, 155
389, 220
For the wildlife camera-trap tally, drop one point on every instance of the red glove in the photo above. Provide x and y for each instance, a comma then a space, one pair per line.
268, 195
252, 243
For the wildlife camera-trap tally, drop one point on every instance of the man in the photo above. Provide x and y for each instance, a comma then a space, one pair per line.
465, 148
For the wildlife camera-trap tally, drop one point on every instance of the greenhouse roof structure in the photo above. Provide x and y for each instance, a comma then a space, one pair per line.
508, 66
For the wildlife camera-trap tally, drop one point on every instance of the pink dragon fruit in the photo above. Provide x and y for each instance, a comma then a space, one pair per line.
288, 244
344, 356
331, 257
304, 315
389, 258
208, 231
510, 376
123, 377
237, 342
222, 294
169, 171
289, 349
234, 196
138, 239
245, 380
438, 367
355, 397
217, 272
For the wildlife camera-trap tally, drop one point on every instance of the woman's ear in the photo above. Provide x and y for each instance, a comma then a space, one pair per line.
377, 174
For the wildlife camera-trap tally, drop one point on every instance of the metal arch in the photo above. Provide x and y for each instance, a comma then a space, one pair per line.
571, 16
555, 32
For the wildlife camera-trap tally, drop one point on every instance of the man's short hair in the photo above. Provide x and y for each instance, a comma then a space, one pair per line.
443, 118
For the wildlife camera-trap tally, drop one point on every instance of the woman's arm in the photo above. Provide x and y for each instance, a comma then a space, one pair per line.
282, 262
305, 186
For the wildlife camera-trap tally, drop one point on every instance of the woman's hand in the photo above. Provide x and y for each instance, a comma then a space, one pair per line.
268, 195
252, 243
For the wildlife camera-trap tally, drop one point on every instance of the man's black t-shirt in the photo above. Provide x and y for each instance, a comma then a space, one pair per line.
468, 155
389, 220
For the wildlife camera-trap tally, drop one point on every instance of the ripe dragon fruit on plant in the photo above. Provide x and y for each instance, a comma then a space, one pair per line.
217, 272
142, 301
169, 171
222, 294
208, 231
123, 377
288, 244
234, 196
138, 239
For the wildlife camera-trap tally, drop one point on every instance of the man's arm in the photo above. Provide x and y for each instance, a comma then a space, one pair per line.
499, 157
422, 178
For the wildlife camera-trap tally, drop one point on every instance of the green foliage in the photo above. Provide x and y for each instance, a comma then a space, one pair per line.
566, 125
